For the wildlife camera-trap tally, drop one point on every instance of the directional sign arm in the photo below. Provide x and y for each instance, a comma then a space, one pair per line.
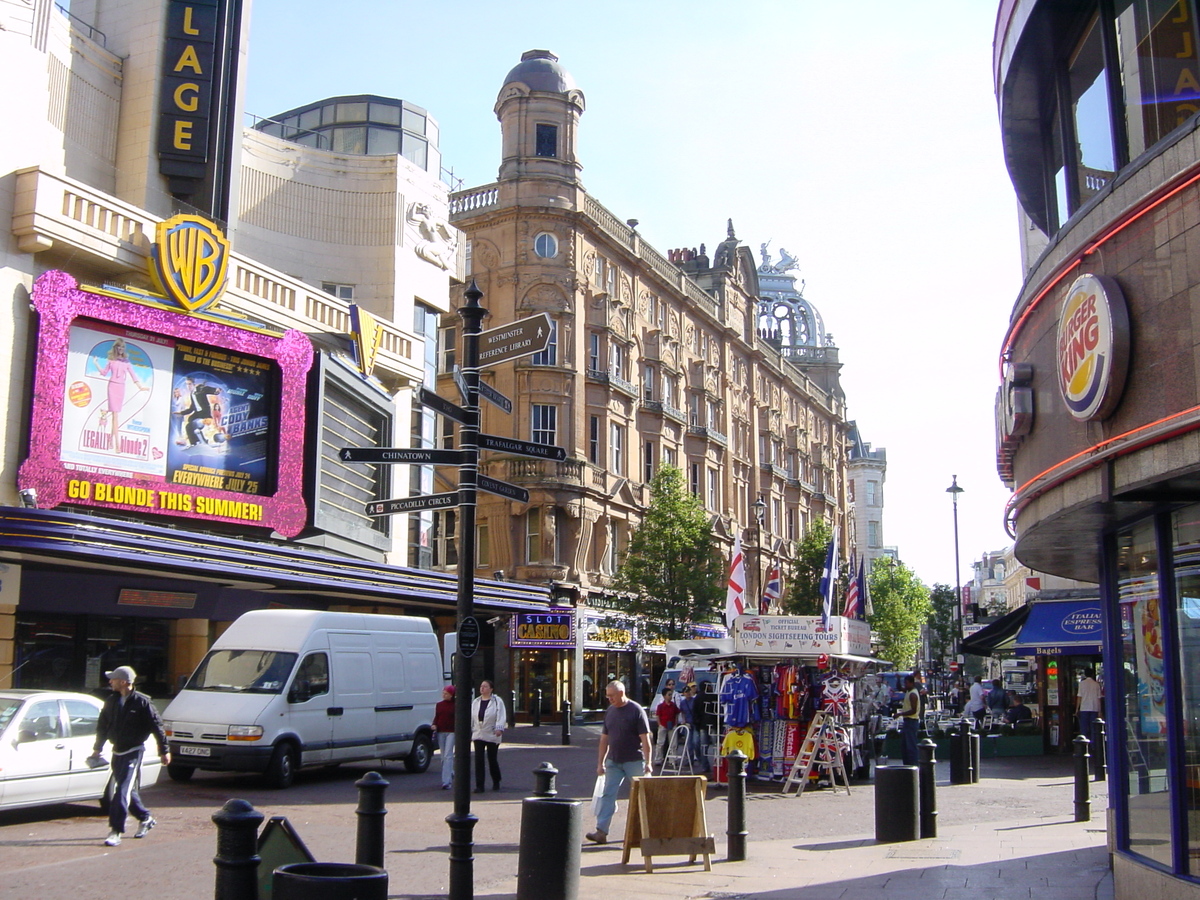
521, 448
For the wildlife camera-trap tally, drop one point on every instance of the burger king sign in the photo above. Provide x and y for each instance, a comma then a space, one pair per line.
1093, 347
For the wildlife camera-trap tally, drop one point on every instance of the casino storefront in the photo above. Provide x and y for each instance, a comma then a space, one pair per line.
1098, 413
542, 645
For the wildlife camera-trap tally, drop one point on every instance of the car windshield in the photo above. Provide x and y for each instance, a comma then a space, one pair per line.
248, 671
8, 708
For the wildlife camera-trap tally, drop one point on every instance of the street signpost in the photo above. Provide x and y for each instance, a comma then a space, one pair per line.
414, 455
469, 632
494, 397
521, 448
507, 342
504, 489
442, 405
412, 504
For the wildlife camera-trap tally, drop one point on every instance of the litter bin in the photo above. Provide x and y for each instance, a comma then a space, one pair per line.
548, 861
897, 809
329, 881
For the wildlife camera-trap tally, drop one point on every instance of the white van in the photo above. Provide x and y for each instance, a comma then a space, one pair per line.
285, 688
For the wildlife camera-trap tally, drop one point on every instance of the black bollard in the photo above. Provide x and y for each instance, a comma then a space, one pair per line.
1100, 749
368, 850
566, 723
1083, 804
237, 856
927, 787
896, 804
976, 769
543, 780
736, 826
958, 763
537, 708
548, 862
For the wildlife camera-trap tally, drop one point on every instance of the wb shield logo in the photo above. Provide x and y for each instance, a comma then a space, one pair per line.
191, 261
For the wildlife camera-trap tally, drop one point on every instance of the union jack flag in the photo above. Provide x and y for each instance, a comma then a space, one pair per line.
772, 592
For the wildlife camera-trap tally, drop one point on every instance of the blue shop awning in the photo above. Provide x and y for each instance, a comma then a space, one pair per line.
1062, 627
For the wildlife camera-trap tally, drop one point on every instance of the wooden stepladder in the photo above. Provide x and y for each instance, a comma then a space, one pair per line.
822, 747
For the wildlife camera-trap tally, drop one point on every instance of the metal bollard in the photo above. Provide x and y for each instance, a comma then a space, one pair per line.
896, 804
1083, 803
736, 826
566, 723
537, 709
543, 780
958, 763
368, 850
548, 863
927, 787
976, 769
1100, 749
237, 856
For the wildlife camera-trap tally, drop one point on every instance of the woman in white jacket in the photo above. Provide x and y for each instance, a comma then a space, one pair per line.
488, 722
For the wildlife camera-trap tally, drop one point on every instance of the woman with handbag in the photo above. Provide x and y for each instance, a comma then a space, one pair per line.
488, 722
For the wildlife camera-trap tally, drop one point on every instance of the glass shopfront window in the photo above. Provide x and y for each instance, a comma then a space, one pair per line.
1186, 555
599, 668
548, 671
1147, 787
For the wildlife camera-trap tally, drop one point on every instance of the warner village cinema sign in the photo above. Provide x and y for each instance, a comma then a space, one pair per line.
166, 405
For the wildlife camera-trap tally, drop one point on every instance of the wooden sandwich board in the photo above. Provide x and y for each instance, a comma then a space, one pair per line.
666, 818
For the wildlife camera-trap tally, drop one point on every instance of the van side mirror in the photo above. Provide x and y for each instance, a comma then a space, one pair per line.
299, 693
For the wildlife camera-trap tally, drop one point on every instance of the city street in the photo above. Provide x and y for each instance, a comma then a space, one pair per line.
57, 853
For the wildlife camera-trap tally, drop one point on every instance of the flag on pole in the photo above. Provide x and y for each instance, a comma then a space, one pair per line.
852, 609
735, 596
829, 580
772, 592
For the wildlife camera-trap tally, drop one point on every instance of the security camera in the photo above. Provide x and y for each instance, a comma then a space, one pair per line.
495, 620
29, 498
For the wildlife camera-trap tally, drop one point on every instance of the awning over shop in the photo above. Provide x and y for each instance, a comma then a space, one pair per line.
1062, 627
999, 635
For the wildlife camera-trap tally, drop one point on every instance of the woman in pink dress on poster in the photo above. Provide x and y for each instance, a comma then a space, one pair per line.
115, 370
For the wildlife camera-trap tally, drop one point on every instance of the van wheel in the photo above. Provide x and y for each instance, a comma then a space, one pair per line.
282, 770
420, 756
180, 773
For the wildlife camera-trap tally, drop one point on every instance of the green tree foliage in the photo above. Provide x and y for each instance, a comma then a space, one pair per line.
941, 621
804, 595
901, 603
672, 568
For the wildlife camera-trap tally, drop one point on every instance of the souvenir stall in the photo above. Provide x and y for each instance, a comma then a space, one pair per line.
782, 672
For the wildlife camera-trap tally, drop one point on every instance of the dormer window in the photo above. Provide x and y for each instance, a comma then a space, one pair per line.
546, 143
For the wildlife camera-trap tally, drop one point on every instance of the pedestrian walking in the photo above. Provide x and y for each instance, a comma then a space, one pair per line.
910, 721
443, 727
623, 753
997, 700
1087, 702
126, 721
976, 705
488, 722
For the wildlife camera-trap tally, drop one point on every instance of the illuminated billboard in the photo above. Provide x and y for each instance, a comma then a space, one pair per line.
141, 407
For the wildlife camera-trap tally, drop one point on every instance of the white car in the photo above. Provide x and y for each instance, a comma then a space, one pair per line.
45, 740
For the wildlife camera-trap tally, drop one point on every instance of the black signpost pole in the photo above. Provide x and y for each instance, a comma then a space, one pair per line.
461, 821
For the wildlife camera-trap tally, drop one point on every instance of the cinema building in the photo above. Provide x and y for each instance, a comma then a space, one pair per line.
174, 404
1098, 415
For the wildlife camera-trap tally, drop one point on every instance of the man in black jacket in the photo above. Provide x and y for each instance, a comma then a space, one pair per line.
128, 718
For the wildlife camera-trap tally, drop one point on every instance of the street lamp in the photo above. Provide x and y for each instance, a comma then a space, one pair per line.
760, 517
954, 490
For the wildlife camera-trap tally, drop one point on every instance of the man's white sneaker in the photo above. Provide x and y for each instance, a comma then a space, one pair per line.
113, 839
145, 826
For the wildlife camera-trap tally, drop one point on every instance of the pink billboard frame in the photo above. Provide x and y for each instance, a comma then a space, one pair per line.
59, 300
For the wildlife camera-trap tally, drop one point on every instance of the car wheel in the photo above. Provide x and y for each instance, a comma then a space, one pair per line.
180, 773
282, 770
420, 756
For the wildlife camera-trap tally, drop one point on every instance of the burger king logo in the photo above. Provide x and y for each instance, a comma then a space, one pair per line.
1093, 347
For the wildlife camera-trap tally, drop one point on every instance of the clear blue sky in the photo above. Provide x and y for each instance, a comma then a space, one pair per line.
861, 137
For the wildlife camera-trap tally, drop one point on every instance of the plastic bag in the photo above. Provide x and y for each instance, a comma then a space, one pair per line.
597, 793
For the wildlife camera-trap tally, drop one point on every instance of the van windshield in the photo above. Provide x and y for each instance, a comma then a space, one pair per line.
248, 671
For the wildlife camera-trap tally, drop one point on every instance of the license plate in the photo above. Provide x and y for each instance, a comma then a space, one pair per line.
192, 750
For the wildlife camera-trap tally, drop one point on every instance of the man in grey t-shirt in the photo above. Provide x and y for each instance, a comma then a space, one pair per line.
624, 750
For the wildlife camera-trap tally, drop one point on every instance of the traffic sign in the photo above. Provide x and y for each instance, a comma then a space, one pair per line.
518, 339
494, 397
412, 504
503, 488
442, 405
415, 455
521, 448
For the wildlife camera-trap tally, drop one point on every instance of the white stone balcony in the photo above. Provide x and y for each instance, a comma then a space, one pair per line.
64, 218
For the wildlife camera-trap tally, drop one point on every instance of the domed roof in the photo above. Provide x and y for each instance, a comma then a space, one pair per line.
539, 71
